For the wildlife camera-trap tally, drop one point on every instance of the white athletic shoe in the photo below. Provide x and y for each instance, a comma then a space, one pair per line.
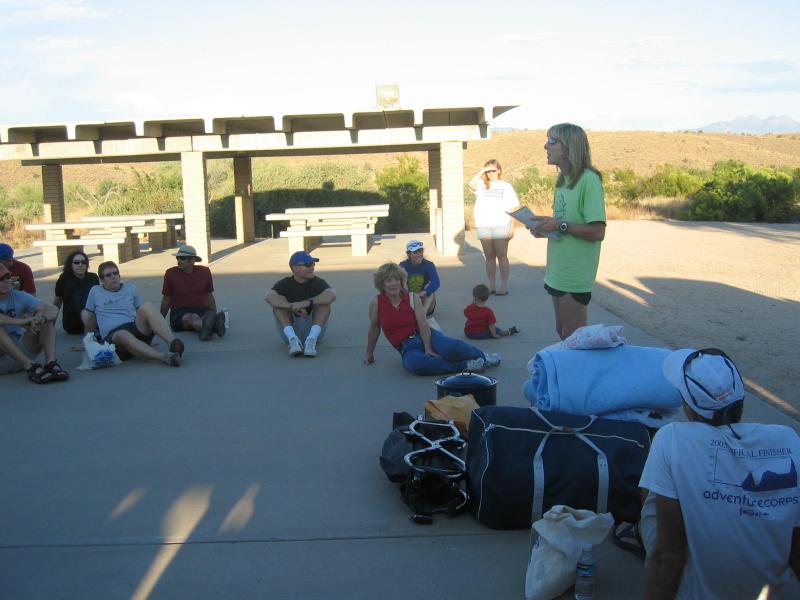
295, 347
434, 324
475, 365
311, 347
492, 359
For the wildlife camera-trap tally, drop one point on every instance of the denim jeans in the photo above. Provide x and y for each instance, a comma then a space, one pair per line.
484, 335
453, 354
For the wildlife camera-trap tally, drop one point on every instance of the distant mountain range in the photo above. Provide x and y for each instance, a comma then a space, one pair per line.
754, 125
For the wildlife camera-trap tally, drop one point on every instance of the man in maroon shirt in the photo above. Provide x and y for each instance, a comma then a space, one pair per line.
188, 295
21, 274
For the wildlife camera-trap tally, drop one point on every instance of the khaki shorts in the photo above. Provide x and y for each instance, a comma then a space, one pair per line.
9, 365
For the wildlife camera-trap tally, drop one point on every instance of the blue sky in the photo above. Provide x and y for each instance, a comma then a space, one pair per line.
611, 65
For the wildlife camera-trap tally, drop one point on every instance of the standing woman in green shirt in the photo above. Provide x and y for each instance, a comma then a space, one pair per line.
575, 230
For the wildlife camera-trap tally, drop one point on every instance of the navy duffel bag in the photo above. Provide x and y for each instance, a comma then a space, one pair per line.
522, 461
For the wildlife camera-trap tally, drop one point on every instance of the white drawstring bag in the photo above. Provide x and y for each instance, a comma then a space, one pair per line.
97, 355
559, 538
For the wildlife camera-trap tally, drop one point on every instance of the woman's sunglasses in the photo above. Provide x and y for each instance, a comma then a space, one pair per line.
80, 262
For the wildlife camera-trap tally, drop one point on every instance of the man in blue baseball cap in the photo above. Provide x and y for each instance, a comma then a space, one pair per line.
21, 274
301, 304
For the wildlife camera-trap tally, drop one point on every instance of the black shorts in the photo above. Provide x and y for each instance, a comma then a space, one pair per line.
133, 329
176, 316
580, 297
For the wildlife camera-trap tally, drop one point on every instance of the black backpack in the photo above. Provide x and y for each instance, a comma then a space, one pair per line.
424, 457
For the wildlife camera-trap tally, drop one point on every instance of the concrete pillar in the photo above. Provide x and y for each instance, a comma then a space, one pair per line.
452, 198
54, 212
243, 199
434, 187
195, 202
53, 194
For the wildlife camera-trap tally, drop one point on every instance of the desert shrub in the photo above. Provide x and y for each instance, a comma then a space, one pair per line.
405, 187
672, 181
26, 194
156, 192
737, 192
279, 175
534, 189
279, 186
622, 184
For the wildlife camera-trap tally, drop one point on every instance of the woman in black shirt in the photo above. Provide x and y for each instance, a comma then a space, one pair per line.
72, 288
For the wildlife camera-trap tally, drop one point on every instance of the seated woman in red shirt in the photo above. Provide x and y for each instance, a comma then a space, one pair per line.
401, 316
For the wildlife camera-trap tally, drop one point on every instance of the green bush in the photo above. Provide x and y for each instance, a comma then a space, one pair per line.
26, 194
405, 188
534, 189
279, 186
671, 181
157, 192
623, 184
737, 192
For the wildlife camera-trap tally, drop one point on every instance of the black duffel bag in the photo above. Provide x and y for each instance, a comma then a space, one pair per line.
522, 461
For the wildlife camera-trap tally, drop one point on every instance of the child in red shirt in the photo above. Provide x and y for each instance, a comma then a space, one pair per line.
480, 318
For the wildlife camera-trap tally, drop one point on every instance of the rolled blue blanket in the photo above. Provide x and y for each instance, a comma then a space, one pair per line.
625, 383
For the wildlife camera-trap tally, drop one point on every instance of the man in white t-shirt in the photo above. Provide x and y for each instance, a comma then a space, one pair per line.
116, 312
722, 516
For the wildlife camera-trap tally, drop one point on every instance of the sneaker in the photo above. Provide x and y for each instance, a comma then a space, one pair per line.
173, 359
295, 348
492, 359
219, 324
311, 347
475, 365
208, 326
512, 330
434, 324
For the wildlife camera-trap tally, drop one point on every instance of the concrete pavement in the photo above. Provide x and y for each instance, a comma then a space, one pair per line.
248, 474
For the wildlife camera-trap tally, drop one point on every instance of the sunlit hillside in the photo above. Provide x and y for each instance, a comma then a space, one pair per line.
641, 151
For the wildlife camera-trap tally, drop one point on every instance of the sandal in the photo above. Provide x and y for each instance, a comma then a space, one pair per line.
176, 346
626, 537
38, 374
173, 359
55, 369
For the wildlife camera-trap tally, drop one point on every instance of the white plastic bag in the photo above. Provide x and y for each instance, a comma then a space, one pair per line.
562, 532
592, 337
97, 355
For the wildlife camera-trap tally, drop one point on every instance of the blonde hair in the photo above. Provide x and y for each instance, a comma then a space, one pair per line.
389, 270
576, 146
485, 177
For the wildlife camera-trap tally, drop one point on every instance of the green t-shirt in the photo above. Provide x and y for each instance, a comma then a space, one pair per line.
572, 262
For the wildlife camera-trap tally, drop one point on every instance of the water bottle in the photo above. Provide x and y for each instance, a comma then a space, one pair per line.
584, 575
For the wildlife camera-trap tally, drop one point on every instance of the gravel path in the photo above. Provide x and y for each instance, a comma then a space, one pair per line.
735, 286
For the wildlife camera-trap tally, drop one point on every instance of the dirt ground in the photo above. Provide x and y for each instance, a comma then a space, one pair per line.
734, 286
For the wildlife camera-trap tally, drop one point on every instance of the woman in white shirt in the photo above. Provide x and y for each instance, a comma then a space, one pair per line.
493, 197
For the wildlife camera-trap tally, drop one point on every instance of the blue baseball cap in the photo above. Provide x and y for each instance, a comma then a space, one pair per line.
6, 252
301, 258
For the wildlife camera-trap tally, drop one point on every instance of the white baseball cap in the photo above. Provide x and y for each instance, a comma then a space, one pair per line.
707, 379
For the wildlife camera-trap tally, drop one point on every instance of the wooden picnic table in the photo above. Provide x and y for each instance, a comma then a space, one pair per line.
309, 225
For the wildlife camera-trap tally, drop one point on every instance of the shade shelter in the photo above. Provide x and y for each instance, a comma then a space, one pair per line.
442, 132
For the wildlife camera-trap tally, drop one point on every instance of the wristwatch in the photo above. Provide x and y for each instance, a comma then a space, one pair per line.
563, 227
